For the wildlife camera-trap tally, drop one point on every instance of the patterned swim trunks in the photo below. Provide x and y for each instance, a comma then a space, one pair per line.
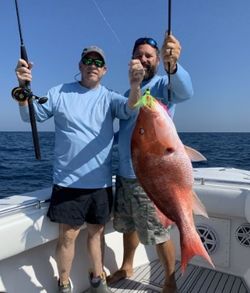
133, 210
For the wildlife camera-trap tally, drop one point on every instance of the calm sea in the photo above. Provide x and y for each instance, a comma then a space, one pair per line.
20, 172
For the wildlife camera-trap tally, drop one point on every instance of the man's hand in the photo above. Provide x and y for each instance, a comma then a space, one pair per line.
136, 72
136, 75
23, 72
170, 52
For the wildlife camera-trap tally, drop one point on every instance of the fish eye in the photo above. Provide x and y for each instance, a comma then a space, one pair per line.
141, 131
169, 150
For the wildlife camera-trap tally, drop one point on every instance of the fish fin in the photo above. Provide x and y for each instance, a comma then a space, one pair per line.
198, 206
165, 221
191, 246
194, 155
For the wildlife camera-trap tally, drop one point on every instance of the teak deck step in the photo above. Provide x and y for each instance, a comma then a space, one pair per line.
150, 278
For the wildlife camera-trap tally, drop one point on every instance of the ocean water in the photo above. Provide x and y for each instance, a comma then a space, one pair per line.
230, 150
20, 172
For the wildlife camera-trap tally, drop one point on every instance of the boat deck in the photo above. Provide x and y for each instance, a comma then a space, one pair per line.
150, 278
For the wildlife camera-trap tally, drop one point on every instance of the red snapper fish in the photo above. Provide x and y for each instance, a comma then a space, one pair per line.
163, 167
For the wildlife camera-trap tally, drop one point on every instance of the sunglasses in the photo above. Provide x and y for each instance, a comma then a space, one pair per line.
90, 61
148, 41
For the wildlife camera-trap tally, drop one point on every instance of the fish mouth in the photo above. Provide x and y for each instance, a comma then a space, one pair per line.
147, 102
149, 108
149, 111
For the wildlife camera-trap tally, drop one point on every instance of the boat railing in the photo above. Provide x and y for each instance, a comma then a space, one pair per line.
37, 204
228, 183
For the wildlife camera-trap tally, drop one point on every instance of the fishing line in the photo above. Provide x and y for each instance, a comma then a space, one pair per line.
75, 77
106, 21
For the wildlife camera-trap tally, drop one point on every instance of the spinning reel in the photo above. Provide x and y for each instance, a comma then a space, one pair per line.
22, 94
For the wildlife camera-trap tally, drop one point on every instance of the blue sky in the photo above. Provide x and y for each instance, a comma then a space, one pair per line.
215, 39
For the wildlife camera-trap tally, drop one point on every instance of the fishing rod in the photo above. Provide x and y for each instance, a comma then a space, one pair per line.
24, 93
169, 32
169, 16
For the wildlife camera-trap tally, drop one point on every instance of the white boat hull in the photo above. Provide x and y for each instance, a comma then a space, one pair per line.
28, 238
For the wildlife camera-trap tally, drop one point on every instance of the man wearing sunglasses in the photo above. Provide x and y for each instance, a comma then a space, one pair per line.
134, 213
82, 180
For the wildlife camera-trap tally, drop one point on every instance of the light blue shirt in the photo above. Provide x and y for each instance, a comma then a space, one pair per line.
181, 88
83, 132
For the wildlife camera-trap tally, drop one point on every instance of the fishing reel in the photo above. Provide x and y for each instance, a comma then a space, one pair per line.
22, 94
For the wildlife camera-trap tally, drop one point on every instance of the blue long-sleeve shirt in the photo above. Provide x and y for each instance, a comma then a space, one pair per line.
83, 132
181, 87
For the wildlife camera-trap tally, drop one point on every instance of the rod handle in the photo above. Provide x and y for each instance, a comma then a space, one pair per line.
34, 129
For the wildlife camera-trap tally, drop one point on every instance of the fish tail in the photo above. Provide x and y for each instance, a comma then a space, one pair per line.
190, 247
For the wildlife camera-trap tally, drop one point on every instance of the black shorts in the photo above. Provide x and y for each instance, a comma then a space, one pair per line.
74, 206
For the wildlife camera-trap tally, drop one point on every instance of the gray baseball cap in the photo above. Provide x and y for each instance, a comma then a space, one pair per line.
94, 49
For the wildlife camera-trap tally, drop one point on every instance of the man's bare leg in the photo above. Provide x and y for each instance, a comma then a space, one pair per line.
95, 248
166, 254
65, 251
130, 243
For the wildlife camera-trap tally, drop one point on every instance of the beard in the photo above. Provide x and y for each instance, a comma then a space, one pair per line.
150, 71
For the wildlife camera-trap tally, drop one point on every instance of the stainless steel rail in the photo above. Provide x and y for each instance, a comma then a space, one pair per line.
36, 204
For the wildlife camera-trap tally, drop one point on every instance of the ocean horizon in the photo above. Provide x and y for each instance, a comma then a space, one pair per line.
20, 172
